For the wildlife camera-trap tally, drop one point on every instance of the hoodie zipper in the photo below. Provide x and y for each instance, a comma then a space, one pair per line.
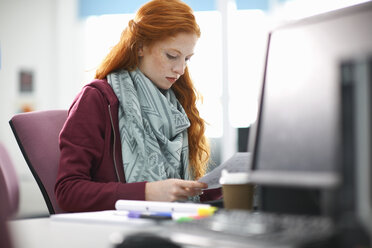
114, 145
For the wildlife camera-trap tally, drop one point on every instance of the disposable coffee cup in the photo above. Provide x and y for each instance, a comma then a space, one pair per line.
237, 190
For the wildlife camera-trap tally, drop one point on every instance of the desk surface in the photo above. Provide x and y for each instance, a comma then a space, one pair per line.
48, 232
44, 232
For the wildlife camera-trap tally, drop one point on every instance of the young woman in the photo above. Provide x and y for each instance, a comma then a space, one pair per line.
135, 132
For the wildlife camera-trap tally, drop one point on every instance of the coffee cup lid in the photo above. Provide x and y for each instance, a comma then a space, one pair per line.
234, 177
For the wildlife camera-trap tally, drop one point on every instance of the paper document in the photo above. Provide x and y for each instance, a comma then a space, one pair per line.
100, 217
239, 162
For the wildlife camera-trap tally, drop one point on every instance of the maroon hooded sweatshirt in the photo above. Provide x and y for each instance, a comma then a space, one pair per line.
91, 174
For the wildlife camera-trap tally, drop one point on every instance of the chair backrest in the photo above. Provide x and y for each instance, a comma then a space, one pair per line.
5, 235
37, 134
9, 181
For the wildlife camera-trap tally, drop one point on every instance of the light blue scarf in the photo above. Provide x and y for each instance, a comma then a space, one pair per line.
153, 129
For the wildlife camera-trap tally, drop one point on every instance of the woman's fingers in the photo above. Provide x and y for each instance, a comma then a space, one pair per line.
193, 184
173, 190
191, 188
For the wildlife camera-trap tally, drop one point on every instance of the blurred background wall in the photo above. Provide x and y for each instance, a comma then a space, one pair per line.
38, 39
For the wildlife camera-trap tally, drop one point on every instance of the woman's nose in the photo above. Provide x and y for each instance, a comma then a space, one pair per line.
179, 67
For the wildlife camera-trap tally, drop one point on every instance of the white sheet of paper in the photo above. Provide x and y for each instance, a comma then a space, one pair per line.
103, 217
239, 162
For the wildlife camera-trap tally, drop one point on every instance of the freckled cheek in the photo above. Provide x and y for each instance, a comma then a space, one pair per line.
162, 63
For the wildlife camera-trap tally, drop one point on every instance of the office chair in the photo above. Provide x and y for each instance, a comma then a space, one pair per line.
37, 134
9, 182
5, 235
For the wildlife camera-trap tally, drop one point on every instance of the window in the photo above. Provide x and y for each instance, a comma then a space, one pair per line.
246, 43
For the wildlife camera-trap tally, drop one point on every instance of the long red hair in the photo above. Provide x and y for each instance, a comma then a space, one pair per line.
155, 21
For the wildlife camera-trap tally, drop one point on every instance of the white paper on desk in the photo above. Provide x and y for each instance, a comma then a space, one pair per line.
239, 162
100, 217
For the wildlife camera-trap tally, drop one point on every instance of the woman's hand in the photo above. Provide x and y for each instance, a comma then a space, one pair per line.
173, 190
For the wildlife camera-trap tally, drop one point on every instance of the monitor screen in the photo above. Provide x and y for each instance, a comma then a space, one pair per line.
298, 128
297, 141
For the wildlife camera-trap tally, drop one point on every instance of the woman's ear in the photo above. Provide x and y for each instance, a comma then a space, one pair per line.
140, 50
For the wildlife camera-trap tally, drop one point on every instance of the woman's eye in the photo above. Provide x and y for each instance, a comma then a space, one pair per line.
171, 56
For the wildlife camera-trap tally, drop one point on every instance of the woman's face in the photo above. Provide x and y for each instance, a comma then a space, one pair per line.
165, 61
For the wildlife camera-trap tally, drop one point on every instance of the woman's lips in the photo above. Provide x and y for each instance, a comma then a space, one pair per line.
171, 79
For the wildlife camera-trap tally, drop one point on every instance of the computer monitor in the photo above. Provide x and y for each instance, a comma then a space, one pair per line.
356, 80
297, 151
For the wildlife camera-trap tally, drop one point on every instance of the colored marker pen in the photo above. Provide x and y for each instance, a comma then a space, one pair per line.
150, 215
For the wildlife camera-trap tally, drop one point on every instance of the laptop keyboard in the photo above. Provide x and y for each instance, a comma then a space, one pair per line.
267, 228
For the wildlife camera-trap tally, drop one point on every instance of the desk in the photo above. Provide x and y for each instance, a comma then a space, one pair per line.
49, 233
46, 233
